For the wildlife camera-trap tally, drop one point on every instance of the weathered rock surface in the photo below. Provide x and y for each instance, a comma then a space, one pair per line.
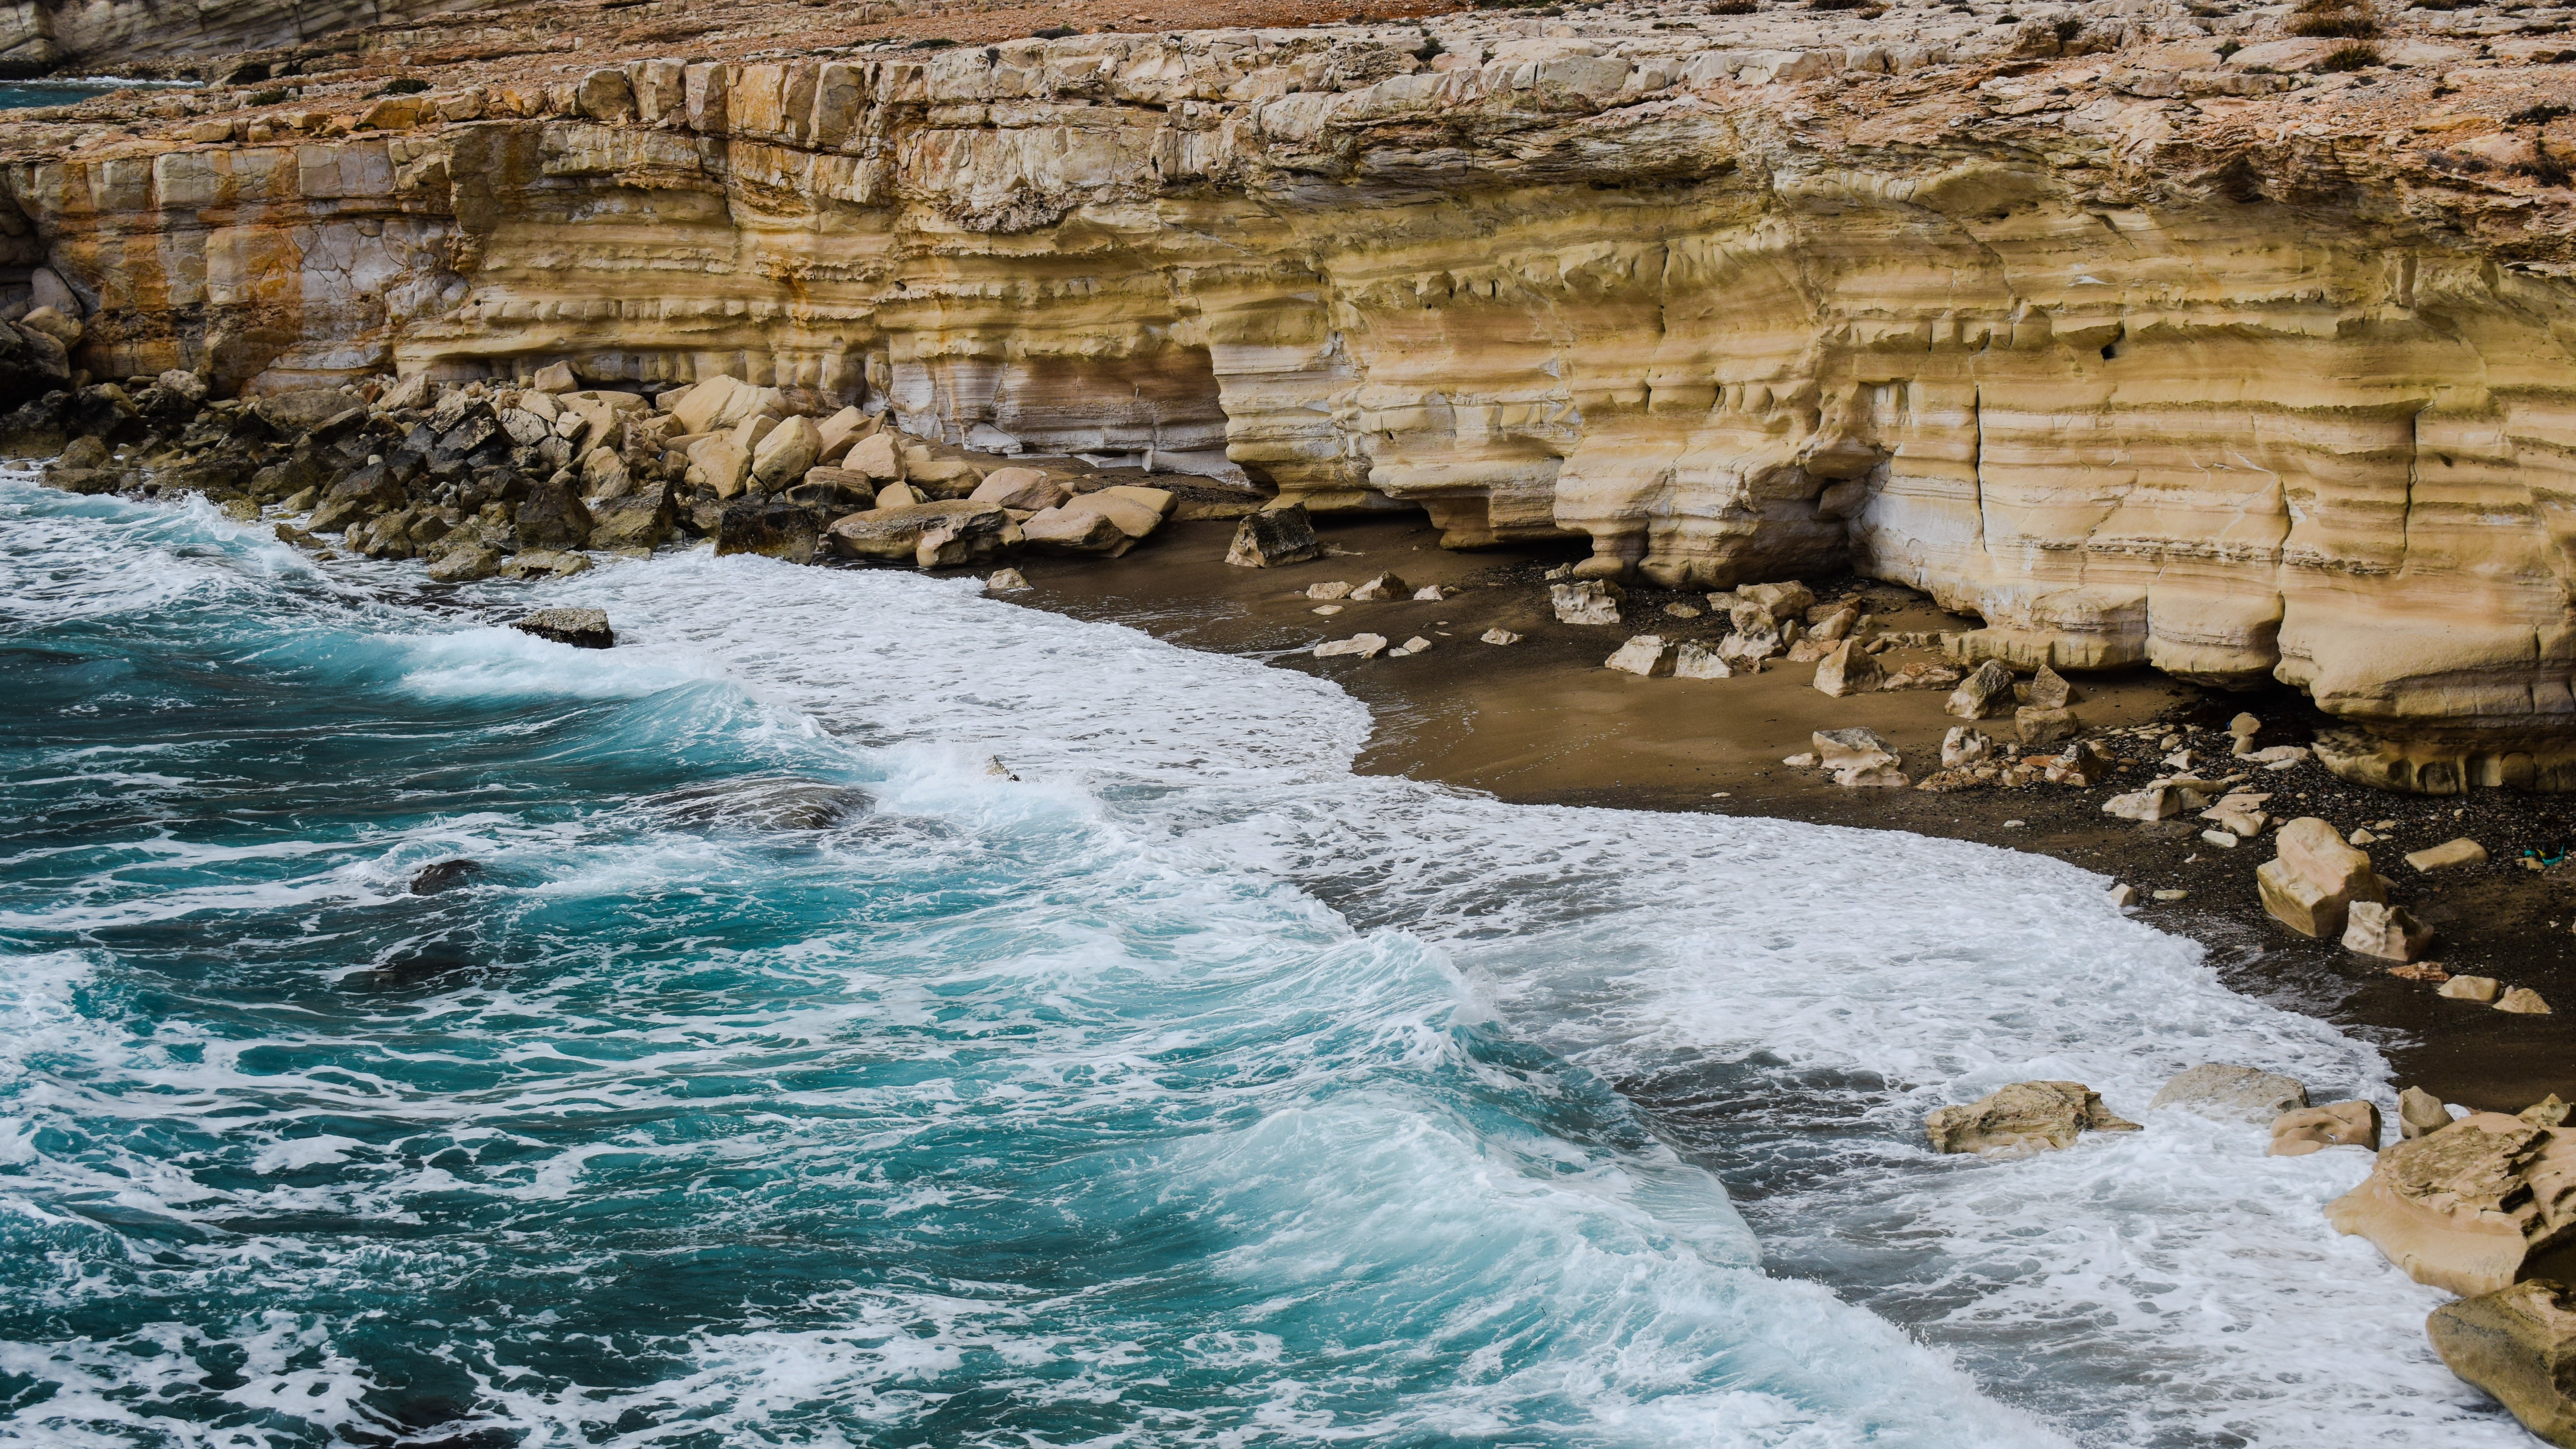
581, 628
2311, 885
2519, 1345
1961, 305
2470, 1207
2336, 1124
2023, 1118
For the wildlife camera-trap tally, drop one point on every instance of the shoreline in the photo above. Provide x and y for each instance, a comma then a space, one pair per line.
1541, 722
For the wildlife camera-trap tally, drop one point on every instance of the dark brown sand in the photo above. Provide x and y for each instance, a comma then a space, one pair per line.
1543, 722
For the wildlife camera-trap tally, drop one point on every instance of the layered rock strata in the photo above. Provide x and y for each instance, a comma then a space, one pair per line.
2143, 342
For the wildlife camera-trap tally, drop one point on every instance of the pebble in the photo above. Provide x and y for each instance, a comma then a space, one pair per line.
2223, 839
1327, 609
2171, 895
1499, 636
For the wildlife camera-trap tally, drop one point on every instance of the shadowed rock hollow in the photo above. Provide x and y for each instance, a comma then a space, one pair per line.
2149, 334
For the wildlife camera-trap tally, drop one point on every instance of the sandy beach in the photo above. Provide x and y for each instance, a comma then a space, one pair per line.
1542, 722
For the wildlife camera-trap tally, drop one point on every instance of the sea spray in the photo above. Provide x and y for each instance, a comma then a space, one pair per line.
1186, 1087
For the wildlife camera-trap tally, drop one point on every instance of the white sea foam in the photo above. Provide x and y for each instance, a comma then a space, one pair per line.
1188, 910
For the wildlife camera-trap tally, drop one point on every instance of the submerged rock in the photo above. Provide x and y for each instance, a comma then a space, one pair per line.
581, 628
445, 875
2231, 1093
2336, 1124
2023, 1118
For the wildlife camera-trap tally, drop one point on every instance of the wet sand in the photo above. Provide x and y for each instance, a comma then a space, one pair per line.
1542, 722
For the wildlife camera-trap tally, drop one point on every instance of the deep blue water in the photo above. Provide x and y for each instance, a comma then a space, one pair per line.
787, 1072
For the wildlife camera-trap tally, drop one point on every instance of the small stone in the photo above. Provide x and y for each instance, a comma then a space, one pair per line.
2171, 895
2361, 836
1005, 581
1499, 636
2156, 802
1415, 645
2448, 854
2049, 690
2313, 1129
1805, 761
2522, 1001
1645, 655
2223, 839
1384, 586
2385, 931
1337, 589
2244, 726
2122, 895
1847, 671
2179, 759
1366, 646
1986, 691
2480, 989
580, 628
1859, 758
1962, 747
1694, 661
1430, 594
2421, 971
1590, 601
2419, 1112
2045, 724
1327, 610
555, 377
1683, 611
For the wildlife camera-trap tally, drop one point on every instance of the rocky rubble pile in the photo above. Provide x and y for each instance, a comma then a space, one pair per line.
484, 479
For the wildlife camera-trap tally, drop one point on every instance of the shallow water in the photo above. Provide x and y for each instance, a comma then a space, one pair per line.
22, 95
789, 1074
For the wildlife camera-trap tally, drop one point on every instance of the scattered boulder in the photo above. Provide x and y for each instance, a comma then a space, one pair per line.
1646, 655
1847, 671
1587, 601
2518, 1344
445, 875
466, 565
557, 377
1962, 747
1694, 661
1384, 586
2418, 1111
2023, 1118
2387, 932
1133, 517
1366, 646
1274, 536
1430, 594
2045, 724
2522, 1001
1330, 589
1006, 581
1415, 645
2480, 989
783, 456
1781, 601
1498, 636
880, 458
2311, 885
1987, 691
2232, 1093
896, 532
2469, 1207
1858, 757
2048, 690
769, 527
1075, 530
580, 628
2337, 1124
1026, 489
2448, 854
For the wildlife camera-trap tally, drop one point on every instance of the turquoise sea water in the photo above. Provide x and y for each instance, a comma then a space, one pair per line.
789, 1073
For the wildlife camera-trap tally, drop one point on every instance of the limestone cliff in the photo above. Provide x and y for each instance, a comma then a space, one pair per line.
2135, 334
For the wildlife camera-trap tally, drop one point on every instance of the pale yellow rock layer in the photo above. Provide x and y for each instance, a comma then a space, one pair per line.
2119, 394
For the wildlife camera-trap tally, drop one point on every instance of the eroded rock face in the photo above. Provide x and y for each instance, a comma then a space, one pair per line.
2469, 1207
2134, 377
2518, 1344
